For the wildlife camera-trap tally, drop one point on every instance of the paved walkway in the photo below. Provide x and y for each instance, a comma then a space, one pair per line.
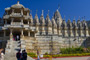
70, 58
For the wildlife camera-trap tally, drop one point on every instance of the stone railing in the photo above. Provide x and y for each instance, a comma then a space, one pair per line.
32, 28
16, 23
26, 17
26, 25
7, 25
5, 38
16, 15
27, 38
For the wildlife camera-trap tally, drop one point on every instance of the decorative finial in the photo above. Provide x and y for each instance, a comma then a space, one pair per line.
17, 2
53, 15
64, 17
74, 18
58, 7
84, 17
79, 17
42, 12
69, 17
48, 12
36, 12
30, 12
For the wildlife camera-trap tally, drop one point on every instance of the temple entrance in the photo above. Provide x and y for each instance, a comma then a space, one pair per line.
16, 35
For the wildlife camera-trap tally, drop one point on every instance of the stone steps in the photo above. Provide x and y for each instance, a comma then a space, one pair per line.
12, 54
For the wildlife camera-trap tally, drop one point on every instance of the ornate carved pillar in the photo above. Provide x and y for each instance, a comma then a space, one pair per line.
12, 20
71, 33
5, 21
27, 13
65, 32
87, 32
21, 32
59, 31
76, 33
22, 21
12, 10
28, 33
22, 40
43, 30
28, 22
54, 30
11, 35
22, 35
11, 31
49, 30
22, 11
81, 32
7, 12
4, 33
37, 30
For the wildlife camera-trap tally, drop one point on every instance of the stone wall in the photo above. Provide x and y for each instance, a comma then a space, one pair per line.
31, 44
52, 44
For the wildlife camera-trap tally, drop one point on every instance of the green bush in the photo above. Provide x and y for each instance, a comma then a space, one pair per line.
72, 50
62, 55
32, 55
46, 53
67, 55
47, 56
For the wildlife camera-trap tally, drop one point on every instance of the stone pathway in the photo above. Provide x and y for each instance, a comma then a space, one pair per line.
70, 58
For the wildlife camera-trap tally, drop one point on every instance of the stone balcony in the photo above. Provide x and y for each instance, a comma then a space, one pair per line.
26, 17
20, 25
7, 25
16, 24
6, 17
25, 25
16, 15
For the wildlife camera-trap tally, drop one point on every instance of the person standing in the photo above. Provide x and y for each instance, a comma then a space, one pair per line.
17, 37
38, 58
18, 55
2, 55
24, 54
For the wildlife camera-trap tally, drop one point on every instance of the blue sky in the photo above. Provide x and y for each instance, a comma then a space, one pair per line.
68, 8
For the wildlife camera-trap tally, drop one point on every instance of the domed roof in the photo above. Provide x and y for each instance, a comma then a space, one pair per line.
17, 5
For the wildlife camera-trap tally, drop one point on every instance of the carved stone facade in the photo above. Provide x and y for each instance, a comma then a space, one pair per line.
44, 35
